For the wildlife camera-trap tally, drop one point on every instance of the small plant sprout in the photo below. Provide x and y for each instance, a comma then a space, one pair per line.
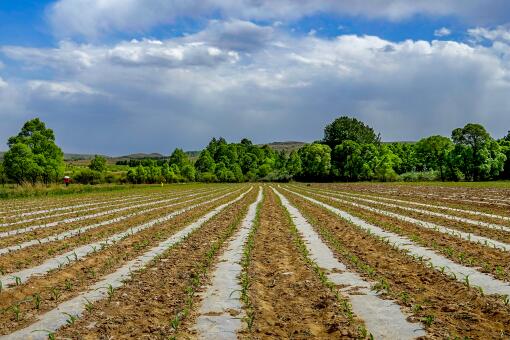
55, 293
37, 300
68, 284
89, 306
71, 319
110, 290
51, 335
428, 320
17, 311
466, 281
17, 280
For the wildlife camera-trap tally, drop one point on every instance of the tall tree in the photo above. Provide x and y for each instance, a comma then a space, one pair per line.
315, 160
33, 154
478, 155
205, 163
347, 128
433, 153
179, 158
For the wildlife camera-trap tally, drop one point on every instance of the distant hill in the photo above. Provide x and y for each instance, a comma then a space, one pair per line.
142, 155
288, 147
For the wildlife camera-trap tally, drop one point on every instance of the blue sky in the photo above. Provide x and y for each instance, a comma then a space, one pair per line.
122, 76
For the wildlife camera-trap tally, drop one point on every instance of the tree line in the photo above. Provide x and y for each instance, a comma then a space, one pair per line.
350, 151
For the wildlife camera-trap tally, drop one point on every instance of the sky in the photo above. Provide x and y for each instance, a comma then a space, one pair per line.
123, 76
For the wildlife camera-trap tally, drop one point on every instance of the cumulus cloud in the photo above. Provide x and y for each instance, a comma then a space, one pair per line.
92, 18
154, 95
442, 32
501, 33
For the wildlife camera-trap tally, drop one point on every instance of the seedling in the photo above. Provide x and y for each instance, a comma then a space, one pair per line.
37, 301
71, 319
110, 290
17, 312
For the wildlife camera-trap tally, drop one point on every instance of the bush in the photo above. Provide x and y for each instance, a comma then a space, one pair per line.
87, 176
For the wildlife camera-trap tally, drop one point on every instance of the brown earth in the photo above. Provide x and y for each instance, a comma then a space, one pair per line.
448, 307
72, 279
35, 255
289, 300
144, 306
489, 259
441, 195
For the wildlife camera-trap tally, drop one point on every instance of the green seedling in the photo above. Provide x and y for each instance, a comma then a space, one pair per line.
71, 319
37, 300
17, 312
110, 290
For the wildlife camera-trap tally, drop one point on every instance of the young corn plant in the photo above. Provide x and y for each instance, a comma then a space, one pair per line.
245, 277
71, 319
303, 250
37, 300
17, 311
200, 272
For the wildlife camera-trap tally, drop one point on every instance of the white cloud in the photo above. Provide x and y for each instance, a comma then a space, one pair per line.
157, 95
92, 18
3, 83
57, 88
442, 32
500, 33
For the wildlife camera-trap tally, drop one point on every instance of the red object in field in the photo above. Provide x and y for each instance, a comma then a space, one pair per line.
67, 180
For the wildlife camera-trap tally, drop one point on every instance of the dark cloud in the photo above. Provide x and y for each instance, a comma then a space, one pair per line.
157, 95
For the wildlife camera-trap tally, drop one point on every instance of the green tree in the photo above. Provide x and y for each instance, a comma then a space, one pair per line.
188, 173
347, 161
476, 153
98, 163
433, 153
315, 160
43, 160
346, 128
179, 158
294, 165
20, 165
3, 175
205, 162
505, 148
386, 162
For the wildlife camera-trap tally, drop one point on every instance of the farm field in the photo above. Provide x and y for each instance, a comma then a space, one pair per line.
258, 261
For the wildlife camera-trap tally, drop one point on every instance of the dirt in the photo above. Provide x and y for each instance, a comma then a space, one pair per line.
144, 306
289, 300
81, 274
470, 200
448, 308
486, 259
37, 254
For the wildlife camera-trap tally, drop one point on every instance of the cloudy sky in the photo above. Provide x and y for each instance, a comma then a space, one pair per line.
123, 76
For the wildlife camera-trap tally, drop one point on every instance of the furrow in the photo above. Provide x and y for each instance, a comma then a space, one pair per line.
461, 273
428, 225
383, 318
13, 279
85, 217
58, 317
81, 230
222, 298
463, 211
139, 200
